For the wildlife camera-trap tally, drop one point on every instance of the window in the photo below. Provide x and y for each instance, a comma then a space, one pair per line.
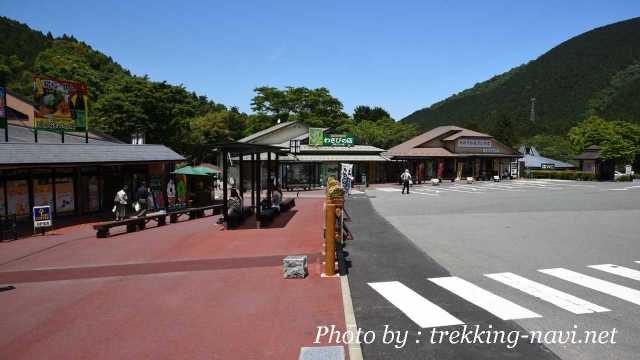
64, 195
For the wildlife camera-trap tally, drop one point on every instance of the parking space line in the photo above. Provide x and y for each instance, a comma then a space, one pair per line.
618, 270
558, 298
619, 291
423, 193
420, 310
498, 306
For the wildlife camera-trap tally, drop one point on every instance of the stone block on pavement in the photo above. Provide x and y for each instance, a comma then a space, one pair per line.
295, 267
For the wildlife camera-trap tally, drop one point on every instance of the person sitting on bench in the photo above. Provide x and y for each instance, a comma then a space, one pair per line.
235, 205
276, 198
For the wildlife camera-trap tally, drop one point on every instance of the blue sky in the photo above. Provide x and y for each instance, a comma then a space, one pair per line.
401, 55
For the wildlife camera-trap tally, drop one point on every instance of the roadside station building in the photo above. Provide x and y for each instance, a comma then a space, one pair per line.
309, 165
448, 152
74, 177
591, 161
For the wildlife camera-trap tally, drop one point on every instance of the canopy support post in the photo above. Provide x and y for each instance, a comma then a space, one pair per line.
269, 181
225, 179
253, 179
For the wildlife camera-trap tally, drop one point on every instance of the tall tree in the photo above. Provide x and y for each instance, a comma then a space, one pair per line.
620, 141
315, 107
367, 113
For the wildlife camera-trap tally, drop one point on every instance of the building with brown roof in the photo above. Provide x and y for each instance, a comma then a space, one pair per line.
591, 160
449, 152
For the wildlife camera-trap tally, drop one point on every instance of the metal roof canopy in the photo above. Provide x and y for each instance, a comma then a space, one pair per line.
247, 148
255, 150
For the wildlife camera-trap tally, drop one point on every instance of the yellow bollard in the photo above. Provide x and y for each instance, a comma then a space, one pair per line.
330, 260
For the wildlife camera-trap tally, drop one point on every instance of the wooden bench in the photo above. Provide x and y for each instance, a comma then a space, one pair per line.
8, 228
267, 215
293, 187
139, 223
235, 221
287, 204
132, 225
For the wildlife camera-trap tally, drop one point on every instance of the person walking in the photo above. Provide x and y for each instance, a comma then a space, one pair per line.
406, 180
120, 202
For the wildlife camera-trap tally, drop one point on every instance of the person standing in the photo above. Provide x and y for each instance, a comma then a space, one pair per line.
120, 202
406, 180
141, 197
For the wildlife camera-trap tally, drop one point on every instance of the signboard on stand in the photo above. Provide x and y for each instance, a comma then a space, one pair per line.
60, 104
42, 217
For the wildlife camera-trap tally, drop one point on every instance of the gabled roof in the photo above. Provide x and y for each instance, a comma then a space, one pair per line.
465, 133
429, 152
593, 152
41, 154
267, 131
422, 138
24, 134
412, 147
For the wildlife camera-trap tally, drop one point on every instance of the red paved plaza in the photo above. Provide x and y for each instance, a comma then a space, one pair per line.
185, 290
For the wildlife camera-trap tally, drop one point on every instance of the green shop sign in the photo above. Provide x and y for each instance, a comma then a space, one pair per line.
339, 140
316, 136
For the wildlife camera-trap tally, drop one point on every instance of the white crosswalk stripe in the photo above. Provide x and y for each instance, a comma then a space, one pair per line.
618, 270
420, 310
619, 291
556, 297
498, 306
428, 314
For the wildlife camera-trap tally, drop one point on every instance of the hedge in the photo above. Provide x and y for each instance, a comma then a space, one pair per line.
625, 178
562, 174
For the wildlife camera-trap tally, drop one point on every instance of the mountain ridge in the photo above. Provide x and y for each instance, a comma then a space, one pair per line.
594, 73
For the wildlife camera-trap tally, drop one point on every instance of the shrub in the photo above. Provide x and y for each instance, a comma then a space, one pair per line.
625, 178
562, 174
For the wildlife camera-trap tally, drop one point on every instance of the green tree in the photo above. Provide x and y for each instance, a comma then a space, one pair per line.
620, 141
367, 113
384, 133
555, 147
315, 107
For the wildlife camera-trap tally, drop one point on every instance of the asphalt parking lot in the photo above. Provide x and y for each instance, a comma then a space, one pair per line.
525, 254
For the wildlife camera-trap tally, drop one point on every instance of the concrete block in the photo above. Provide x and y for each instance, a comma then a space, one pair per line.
295, 267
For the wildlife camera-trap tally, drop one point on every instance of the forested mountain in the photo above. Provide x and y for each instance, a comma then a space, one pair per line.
595, 73
122, 103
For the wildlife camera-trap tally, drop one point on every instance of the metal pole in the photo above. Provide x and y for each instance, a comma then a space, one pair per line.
240, 175
225, 175
277, 170
258, 186
6, 115
269, 182
330, 241
253, 179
